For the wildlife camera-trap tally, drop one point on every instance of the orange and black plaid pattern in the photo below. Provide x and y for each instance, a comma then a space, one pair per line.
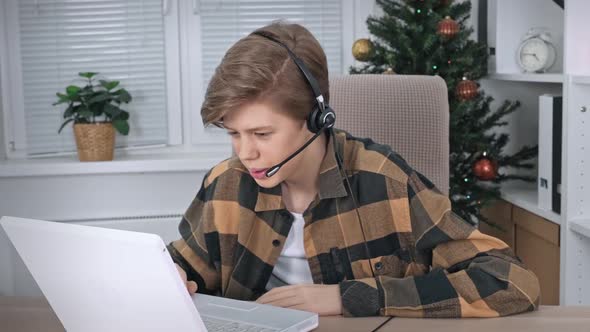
427, 261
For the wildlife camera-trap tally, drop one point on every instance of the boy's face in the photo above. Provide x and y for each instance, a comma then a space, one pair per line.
263, 137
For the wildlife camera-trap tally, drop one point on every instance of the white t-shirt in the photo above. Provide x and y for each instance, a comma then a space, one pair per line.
292, 267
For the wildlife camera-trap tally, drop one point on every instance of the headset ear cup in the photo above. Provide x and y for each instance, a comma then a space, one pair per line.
329, 117
313, 119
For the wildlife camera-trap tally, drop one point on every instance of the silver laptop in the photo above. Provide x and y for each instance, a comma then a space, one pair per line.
99, 279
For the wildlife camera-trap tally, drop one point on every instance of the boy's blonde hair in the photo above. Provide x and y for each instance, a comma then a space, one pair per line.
256, 69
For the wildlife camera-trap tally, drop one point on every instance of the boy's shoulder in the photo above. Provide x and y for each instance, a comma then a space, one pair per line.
231, 168
369, 156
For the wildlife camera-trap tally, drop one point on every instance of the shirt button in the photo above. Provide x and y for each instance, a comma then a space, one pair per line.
276, 243
378, 266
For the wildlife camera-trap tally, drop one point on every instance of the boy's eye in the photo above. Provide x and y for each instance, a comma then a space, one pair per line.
232, 133
261, 134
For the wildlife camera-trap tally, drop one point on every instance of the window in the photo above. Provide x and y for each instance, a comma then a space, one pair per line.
51, 41
163, 52
223, 22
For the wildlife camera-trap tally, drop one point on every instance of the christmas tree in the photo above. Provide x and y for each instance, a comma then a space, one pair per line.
430, 37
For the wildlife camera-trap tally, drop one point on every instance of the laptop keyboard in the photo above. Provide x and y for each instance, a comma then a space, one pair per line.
220, 325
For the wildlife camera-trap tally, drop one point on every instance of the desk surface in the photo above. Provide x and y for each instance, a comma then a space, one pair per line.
547, 318
23, 314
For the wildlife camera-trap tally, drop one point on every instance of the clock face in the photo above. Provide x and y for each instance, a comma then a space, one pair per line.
534, 54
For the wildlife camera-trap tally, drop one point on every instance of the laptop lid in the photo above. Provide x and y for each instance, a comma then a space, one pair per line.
99, 279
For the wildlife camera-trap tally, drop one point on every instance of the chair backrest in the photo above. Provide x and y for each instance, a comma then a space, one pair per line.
410, 113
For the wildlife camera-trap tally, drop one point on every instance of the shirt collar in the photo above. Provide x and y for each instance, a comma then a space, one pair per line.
331, 183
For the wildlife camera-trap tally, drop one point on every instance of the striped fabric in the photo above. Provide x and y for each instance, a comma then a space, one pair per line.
427, 262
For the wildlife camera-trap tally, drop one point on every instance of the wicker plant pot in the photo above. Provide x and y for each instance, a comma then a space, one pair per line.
95, 141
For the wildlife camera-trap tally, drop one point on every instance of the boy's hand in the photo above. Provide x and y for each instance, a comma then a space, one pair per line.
322, 299
191, 286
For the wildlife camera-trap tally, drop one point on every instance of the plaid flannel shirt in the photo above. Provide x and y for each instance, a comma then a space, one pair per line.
427, 261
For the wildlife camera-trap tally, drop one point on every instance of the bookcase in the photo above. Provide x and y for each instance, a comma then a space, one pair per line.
539, 235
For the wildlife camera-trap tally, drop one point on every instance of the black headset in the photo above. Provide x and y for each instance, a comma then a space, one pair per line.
322, 117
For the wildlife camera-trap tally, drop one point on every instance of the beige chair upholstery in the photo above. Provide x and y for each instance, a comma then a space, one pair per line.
410, 113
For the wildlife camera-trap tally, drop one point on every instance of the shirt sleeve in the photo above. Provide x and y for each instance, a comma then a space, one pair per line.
470, 274
195, 250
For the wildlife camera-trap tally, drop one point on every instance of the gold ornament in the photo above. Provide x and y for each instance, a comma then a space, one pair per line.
466, 89
388, 71
363, 49
447, 28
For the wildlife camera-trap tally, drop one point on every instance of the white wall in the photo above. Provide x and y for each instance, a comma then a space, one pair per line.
523, 124
2, 145
473, 19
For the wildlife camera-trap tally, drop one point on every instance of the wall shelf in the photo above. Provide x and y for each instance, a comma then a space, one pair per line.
535, 78
581, 227
581, 79
525, 196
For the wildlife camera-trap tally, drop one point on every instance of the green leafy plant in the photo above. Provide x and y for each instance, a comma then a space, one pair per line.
95, 102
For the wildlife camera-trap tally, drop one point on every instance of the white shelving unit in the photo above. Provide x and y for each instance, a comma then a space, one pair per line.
581, 227
508, 21
540, 78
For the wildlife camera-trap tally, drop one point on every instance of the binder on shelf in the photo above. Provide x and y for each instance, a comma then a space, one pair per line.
550, 138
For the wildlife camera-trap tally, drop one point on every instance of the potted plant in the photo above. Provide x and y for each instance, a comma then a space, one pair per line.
96, 113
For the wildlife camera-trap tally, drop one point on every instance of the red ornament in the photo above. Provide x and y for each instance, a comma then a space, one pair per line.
485, 169
466, 89
447, 28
